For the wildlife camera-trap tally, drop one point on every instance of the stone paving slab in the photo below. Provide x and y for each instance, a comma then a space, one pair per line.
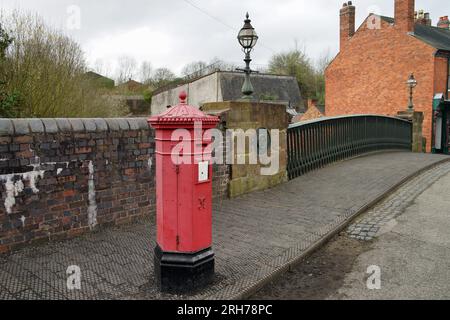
379, 219
411, 247
256, 236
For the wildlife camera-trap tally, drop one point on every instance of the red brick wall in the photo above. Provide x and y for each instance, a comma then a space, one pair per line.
441, 75
404, 15
91, 173
55, 172
370, 75
347, 23
311, 114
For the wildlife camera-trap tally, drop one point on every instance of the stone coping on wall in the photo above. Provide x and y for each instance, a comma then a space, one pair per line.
16, 127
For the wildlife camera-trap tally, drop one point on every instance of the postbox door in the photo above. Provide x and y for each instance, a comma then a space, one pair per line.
194, 209
185, 216
203, 206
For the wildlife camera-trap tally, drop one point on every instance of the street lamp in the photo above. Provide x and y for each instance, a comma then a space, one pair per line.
247, 39
412, 83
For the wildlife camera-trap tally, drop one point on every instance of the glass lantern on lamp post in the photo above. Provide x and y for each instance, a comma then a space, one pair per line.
247, 39
412, 83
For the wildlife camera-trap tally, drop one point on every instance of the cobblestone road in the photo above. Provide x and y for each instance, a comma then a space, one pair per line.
254, 237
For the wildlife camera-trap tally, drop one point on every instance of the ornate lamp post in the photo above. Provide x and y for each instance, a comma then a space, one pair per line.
247, 38
412, 83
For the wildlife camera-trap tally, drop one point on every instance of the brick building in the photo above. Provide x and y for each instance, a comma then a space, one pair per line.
313, 111
369, 74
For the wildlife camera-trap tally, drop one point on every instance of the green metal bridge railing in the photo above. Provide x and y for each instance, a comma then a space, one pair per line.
314, 144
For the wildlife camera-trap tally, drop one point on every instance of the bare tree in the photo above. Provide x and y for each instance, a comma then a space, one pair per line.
126, 69
163, 76
103, 68
146, 72
219, 64
321, 64
323, 61
8, 101
195, 69
5, 42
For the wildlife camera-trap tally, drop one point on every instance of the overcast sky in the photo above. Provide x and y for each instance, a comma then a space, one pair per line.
172, 33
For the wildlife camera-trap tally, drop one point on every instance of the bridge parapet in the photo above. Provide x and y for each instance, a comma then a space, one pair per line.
314, 144
60, 178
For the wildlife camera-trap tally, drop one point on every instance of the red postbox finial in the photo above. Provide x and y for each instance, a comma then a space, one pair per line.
183, 97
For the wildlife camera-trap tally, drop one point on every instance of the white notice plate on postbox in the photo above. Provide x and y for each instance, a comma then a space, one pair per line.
203, 171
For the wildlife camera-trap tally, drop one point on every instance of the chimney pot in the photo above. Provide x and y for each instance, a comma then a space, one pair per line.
347, 23
423, 18
444, 23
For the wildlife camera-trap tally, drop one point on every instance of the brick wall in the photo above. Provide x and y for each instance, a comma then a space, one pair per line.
370, 75
221, 181
404, 15
310, 114
60, 178
441, 74
347, 23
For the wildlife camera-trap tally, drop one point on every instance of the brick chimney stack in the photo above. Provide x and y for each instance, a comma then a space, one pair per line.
348, 13
404, 15
444, 23
423, 17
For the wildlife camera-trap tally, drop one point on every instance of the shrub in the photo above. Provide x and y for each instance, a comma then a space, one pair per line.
9, 104
296, 63
148, 96
48, 69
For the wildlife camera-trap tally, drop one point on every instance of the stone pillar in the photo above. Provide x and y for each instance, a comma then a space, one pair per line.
246, 116
416, 117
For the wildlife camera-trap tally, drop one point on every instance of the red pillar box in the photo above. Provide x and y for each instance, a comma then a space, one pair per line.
184, 259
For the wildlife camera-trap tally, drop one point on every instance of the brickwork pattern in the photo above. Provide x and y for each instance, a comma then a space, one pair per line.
369, 76
441, 75
347, 23
60, 178
311, 114
72, 175
404, 15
